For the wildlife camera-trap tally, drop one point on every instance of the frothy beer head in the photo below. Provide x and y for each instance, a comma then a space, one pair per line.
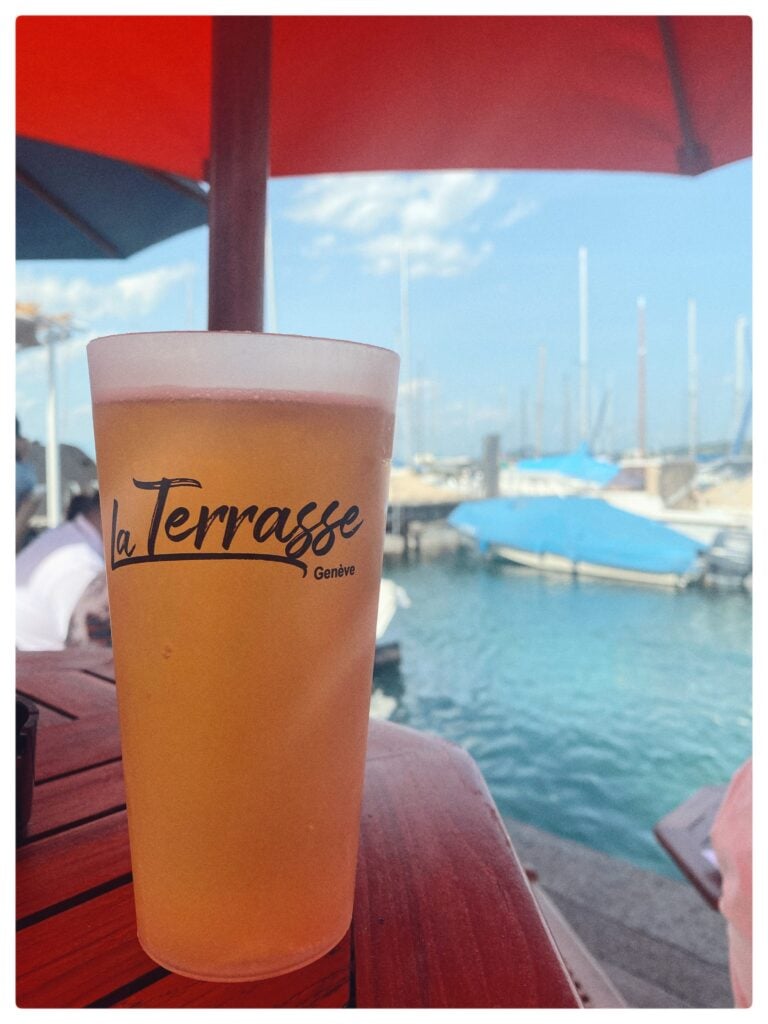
201, 362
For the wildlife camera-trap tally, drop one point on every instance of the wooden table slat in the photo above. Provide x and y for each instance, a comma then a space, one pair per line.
444, 915
85, 954
94, 659
62, 802
72, 746
325, 983
75, 693
82, 954
46, 717
65, 865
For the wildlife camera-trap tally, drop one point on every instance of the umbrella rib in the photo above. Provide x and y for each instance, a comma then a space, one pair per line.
77, 222
692, 156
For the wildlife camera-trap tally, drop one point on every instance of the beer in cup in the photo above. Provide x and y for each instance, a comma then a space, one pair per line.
243, 482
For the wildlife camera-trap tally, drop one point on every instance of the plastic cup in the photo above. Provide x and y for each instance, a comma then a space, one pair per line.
243, 482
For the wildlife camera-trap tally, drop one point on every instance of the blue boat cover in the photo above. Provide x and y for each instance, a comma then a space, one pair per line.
582, 529
579, 464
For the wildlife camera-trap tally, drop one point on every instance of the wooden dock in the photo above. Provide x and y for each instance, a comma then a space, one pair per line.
408, 521
655, 937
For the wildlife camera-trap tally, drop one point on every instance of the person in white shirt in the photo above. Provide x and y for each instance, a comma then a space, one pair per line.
54, 572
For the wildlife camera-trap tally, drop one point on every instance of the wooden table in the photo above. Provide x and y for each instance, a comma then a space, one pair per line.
443, 917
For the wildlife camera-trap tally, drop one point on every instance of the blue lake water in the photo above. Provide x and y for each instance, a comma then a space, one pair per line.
592, 708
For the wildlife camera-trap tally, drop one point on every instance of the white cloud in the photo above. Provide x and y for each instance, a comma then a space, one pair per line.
519, 211
355, 203
385, 211
428, 255
320, 246
447, 199
126, 298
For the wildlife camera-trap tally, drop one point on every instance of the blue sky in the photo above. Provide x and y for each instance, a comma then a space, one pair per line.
493, 278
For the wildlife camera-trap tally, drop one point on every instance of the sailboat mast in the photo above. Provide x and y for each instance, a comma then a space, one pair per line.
641, 395
583, 349
608, 445
566, 413
405, 353
693, 383
540, 400
740, 376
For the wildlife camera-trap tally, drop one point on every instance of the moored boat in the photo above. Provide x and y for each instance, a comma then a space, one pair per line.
582, 537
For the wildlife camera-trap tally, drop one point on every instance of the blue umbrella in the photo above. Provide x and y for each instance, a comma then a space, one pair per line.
75, 205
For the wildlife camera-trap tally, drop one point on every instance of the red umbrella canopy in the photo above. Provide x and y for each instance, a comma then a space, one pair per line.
354, 93
403, 93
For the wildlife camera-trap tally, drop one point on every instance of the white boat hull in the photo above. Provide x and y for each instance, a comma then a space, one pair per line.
547, 562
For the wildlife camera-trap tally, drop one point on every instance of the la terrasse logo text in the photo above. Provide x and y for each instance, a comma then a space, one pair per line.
213, 532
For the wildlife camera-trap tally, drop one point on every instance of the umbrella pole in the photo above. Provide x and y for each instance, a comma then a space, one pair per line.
238, 172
